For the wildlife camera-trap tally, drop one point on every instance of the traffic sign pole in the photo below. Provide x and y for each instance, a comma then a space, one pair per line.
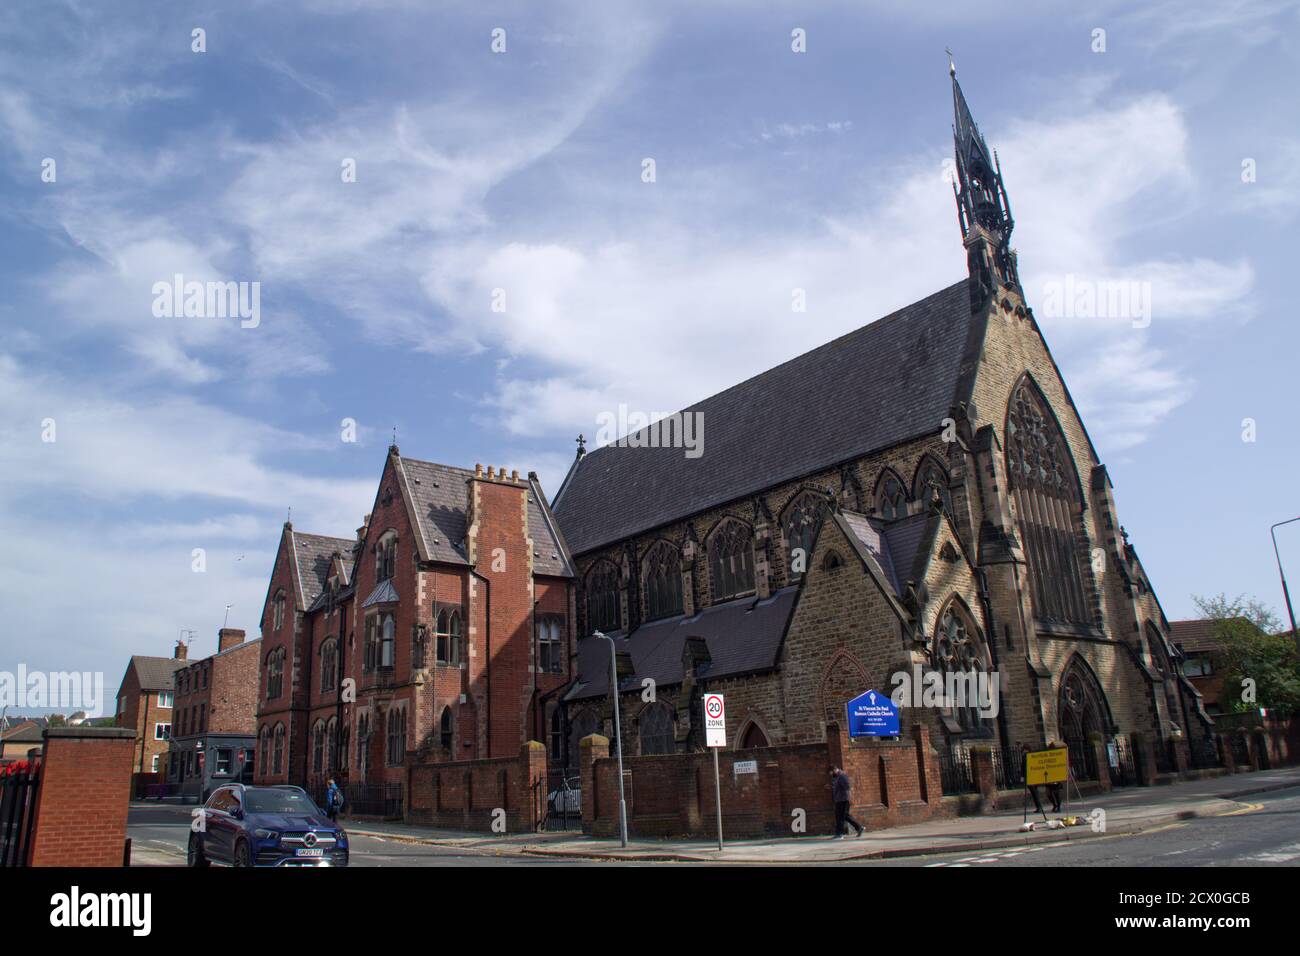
717, 791
715, 736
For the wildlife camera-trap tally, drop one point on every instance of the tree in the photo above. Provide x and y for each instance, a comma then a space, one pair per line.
1251, 649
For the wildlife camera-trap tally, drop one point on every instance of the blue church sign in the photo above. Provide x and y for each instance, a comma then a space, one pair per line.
872, 715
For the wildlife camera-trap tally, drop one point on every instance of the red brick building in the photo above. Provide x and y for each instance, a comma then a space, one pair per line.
145, 702
442, 631
215, 716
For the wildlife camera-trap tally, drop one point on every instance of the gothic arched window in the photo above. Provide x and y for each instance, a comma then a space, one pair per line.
329, 654
603, 609
332, 744
663, 581
930, 477
277, 750
318, 747
655, 728
801, 520
444, 729
1045, 487
891, 497
386, 556
957, 648
731, 561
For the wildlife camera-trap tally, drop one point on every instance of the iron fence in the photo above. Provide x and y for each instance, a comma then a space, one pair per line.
1009, 767
373, 800
954, 772
1239, 749
1083, 760
1204, 754
18, 791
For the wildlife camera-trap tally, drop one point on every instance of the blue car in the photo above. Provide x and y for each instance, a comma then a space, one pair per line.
241, 825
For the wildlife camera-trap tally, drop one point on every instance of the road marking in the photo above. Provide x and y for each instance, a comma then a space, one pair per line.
1281, 855
1248, 808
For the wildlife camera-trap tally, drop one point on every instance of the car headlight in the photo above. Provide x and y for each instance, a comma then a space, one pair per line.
265, 834
343, 838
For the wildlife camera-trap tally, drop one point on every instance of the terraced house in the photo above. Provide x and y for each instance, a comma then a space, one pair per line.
920, 493
441, 631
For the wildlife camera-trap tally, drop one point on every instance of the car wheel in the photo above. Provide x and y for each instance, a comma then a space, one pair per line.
242, 857
194, 855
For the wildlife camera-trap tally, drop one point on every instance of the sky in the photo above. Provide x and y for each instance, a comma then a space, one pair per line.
446, 210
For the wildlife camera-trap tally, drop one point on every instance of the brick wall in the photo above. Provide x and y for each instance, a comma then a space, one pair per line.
469, 794
894, 782
85, 790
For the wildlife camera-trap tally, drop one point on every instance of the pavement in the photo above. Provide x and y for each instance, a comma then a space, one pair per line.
1129, 810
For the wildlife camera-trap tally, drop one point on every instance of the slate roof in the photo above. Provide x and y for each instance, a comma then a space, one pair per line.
384, 593
875, 387
742, 636
312, 553
156, 673
893, 544
440, 498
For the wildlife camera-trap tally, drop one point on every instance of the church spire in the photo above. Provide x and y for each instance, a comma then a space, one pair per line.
983, 210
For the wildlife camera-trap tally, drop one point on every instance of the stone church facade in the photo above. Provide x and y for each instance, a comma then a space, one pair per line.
917, 496
920, 493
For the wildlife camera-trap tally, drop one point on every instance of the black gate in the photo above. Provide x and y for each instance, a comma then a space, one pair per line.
18, 790
1123, 765
561, 802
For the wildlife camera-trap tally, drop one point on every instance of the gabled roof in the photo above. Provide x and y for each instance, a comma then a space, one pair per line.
439, 496
742, 637
312, 553
883, 384
156, 673
1200, 634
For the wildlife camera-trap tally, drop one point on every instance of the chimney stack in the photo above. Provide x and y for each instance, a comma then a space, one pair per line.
182, 652
229, 637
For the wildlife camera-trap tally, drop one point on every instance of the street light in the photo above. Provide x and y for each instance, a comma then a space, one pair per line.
618, 736
1285, 593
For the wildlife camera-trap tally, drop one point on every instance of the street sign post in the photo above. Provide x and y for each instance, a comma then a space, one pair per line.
715, 736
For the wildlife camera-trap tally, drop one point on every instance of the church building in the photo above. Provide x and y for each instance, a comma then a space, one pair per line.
920, 495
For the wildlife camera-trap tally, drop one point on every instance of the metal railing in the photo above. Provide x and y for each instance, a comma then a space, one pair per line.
373, 800
1204, 754
1008, 768
1083, 761
18, 791
954, 772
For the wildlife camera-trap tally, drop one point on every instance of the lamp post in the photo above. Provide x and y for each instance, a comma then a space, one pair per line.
618, 736
1285, 593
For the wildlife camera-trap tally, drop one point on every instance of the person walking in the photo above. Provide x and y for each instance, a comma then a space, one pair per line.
333, 800
842, 794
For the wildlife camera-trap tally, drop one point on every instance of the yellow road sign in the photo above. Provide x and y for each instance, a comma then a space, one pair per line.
1047, 766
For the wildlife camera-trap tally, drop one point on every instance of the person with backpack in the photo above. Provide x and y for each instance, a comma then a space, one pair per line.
333, 800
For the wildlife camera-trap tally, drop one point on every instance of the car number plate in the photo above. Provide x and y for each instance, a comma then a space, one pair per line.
303, 851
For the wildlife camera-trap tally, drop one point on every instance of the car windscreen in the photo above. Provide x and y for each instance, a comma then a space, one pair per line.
285, 802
